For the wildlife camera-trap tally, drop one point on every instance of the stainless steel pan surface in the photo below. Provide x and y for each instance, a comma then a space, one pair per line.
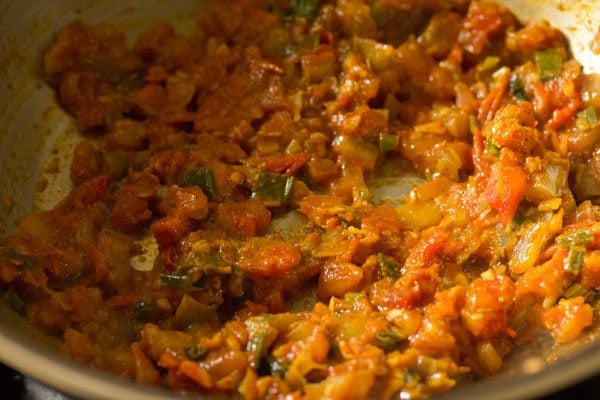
35, 141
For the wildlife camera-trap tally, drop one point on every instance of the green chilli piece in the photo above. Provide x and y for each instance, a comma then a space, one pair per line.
516, 88
306, 8
143, 309
544, 340
588, 115
579, 237
256, 344
175, 281
575, 290
257, 330
519, 219
274, 186
276, 367
489, 63
203, 178
388, 340
195, 353
381, 14
574, 260
411, 376
293, 147
388, 143
15, 302
549, 63
473, 125
491, 148
19, 259
117, 163
388, 267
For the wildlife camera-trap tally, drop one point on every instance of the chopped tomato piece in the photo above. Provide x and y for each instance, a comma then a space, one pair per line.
506, 188
568, 319
268, 257
244, 219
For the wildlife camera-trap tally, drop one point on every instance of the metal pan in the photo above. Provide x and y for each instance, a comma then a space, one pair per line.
35, 141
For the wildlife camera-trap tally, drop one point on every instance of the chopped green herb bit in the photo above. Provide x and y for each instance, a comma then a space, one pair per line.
277, 368
204, 178
488, 63
274, 186
388, 340
117, 163
278, 43
516, 88
574, 260
579, 237
589, 115
388, 143
491, 149
195, 353
351, 297
544, 340
311, 41
293, 147
306, 8
15, 302
19, 259
575, 290
256, 343
411, 376
143, 309
519, 219
549, 63
176, 281
257, 331
473, 126
363, 151
388, 267
381, 13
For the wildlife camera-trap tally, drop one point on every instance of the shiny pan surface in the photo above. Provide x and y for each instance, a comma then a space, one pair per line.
36, 138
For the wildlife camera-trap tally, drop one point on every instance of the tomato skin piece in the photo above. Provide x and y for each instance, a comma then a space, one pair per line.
131, 207
506, 188
432, 242
190, 202
487, 304
568, 319
268, 257
286, 164
590, 276
87, 194
169, 230
481, 23
244, 219
338, 279
382, 219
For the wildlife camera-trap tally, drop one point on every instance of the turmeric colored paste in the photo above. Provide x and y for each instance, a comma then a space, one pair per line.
284, 110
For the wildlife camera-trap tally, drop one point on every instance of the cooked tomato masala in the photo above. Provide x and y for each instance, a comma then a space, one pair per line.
223, 234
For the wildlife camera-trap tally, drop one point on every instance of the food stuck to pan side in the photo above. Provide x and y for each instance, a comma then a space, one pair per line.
282, 110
